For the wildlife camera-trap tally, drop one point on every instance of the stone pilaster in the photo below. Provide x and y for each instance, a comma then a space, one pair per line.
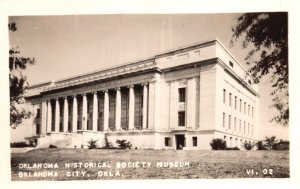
191, 103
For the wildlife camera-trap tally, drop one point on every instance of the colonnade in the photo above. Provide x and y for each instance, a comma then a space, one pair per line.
71, 107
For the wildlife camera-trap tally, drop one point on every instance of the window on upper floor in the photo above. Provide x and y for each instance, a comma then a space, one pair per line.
181, 92
230, 99
229, 122
234, 123
235, 102
223, 123
240, 105
181, 118
224, 96
248, 110
231, 64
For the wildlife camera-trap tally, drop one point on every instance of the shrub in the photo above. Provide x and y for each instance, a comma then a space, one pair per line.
52, 146
248, 145
19, 145
123, 144
260, 145
218, 144
92, 144
271, 143
107, 144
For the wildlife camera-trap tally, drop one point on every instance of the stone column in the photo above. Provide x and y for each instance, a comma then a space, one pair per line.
44, 117
57, 115
131, 108
95, 111
49, 117
145, 105
66, 114
106, 111
84, 112
75, 114
118, 109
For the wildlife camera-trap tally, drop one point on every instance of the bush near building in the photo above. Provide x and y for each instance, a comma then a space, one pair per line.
218, 144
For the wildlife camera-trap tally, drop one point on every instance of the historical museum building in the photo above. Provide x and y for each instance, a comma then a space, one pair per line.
180, 98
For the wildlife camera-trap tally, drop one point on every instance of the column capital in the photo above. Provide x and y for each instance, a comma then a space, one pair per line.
130, 86
144, 84
118, 88
74, 96
65, 97
105, 91
84, 94
95, 92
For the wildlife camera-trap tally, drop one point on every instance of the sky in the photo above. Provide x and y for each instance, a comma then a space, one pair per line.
65, 46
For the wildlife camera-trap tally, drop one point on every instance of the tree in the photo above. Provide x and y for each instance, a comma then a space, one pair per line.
270, 143
17, 83
267, 32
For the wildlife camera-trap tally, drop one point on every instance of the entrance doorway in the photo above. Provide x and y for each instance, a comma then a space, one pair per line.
180, 142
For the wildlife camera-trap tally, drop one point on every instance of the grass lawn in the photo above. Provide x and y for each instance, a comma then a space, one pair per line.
200, 164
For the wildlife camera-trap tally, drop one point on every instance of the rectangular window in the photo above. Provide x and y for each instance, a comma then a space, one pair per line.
240, 126
231, 64
38, 113
195, 142
168, 141
244, 127
248, 128
181, 92
248, 110
234, 123
224, 96
252, 130
181, 118
240, 105
252, 111
235, 102
245, 107
229, 99
229, 122
223, 119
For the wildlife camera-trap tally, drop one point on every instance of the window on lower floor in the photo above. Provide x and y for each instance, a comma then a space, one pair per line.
181, 118
38, 129
168, 141
195, 142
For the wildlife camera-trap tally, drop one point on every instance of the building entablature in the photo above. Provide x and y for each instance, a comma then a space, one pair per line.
196, 55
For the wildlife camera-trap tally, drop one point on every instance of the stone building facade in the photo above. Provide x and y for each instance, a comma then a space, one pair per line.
181, 98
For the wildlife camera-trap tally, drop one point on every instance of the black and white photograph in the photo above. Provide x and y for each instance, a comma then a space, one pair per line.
149, 96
